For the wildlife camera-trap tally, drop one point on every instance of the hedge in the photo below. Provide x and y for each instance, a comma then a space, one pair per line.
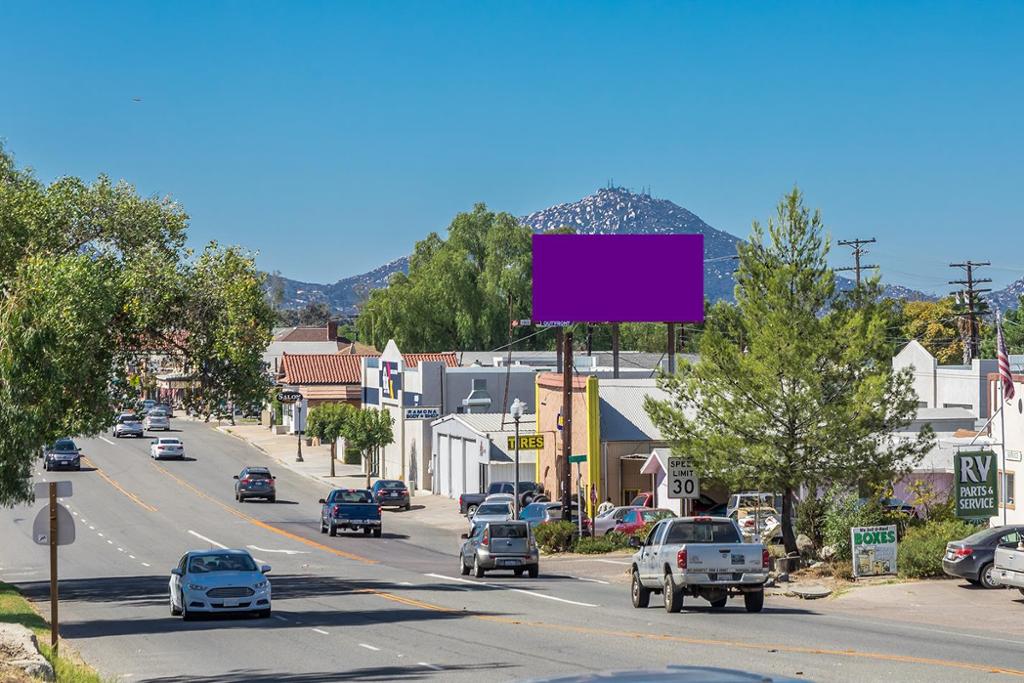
920, 551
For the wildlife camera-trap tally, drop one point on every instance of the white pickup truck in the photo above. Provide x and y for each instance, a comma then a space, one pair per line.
702, 557
1008, 569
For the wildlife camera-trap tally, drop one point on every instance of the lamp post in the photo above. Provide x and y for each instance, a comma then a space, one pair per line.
298, 430
517, 414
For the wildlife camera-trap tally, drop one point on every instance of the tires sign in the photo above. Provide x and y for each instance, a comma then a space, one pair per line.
682, 479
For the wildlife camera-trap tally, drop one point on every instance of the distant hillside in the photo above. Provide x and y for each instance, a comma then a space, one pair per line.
612, 210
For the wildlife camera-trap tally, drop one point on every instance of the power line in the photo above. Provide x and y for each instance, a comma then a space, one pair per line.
858, 251
972, 301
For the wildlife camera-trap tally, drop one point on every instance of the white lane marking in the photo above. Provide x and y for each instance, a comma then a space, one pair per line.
92, 528
279, 617
432, 667
44, 478
456, 578
103, 438
369, 647
145, 564
74, 513
120, 550
612, 562
931, 629
98, 533
110, 542
132, 556
406, 583
551, 597
583, 578
208, 540
320, 630
286, 552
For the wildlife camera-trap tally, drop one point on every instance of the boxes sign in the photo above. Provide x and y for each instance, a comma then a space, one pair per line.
618, 278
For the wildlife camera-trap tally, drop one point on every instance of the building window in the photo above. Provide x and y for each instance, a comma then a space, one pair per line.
1007, 482
966, 406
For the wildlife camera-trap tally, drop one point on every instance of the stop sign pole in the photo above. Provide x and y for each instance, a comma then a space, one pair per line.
53, 568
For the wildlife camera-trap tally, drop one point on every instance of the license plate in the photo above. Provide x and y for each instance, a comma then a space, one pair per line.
393, 495
738, 559
231, 603
509, 563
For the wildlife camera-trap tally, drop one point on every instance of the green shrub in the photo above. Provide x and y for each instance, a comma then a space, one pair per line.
555, 537
843, 511
352, 456
810, 519
610, 542
920, 552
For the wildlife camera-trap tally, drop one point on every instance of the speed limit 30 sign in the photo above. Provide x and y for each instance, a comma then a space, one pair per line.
682, 480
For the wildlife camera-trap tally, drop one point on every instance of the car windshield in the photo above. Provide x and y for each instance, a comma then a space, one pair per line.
532, 511
508, 531
222, 562
390, 485
64, 445
702, 532
356, 496
493, 509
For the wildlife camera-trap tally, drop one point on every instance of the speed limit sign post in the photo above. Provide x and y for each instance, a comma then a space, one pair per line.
682, 479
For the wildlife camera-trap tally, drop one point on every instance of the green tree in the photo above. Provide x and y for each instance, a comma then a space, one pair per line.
93, 280
458, 290
327, 422
368, 430
797, 388
1013, 332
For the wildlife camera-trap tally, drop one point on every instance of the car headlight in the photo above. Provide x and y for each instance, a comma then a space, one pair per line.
196, 587
260, 585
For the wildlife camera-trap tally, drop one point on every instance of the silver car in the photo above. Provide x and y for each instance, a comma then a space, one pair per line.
500, 545
500, 511
128, 425
214, 581
157, 420
162, 448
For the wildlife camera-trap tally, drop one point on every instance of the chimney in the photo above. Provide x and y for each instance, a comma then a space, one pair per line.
332, 330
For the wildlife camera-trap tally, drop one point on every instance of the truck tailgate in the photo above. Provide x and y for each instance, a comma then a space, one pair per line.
358, 511
723, 557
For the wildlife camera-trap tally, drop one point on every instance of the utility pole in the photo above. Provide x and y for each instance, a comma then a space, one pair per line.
858, 251
566, 470
972, 300
671, 350
615, 350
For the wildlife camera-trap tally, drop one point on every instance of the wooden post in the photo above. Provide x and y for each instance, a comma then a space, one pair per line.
53, 569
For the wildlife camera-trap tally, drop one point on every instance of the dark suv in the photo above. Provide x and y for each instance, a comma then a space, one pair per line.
255, 482
391, 492
63, 454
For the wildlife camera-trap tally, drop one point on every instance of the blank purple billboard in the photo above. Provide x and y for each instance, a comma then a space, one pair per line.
618, 278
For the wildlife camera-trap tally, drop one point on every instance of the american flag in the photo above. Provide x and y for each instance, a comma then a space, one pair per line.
1003, 360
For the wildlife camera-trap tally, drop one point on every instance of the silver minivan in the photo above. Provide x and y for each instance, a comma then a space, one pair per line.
500, 545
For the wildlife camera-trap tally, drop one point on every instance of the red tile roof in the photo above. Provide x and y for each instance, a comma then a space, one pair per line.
343, 368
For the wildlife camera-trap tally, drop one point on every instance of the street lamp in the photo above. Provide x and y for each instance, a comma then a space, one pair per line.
517, 413
298, 430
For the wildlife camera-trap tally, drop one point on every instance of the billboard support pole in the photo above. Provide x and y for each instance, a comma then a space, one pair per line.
567, 427
615, 350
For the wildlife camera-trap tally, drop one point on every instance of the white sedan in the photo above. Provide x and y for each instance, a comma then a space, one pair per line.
166, 448
212, 581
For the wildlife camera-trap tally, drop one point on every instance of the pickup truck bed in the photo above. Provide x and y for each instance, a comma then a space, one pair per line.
354, 509
701, 557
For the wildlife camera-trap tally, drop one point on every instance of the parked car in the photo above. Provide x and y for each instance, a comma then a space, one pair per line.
255, 482
158, 421
500, 545
528, 491
62, 454
500, 511
634, 520
392, 492
701, 504
752, 499
166, 447
219, 581
146, 406
128, 424
354, 509
973, 558
698, 556
543, 512
1009, 562
755, 520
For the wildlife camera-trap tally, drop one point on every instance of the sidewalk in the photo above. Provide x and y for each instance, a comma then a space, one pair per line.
436, 511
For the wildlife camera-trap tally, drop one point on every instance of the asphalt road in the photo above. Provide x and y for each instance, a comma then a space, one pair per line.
396, 608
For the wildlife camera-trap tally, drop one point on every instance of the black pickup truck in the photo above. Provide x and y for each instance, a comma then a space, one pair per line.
528, 491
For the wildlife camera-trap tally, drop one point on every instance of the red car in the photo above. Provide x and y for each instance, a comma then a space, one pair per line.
634, 520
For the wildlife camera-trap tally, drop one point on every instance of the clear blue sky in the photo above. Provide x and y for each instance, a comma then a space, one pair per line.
331, 136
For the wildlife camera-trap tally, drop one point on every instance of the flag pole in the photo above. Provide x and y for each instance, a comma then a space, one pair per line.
1002, 428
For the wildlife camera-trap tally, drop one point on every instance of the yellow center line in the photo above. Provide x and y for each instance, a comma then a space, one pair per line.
261, 524
131, 496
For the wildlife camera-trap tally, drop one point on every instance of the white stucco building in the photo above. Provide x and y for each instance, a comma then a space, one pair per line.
946, 386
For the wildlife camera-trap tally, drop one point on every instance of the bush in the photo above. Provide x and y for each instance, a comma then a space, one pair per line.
810, 519
920, 552
555, 537
352, 456
602, 544
842, 511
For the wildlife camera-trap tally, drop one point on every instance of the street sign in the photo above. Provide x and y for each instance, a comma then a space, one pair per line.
65, 526
288, 397
578, 458
682, 480
42, 489
874, 550
527, 442
975, 474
